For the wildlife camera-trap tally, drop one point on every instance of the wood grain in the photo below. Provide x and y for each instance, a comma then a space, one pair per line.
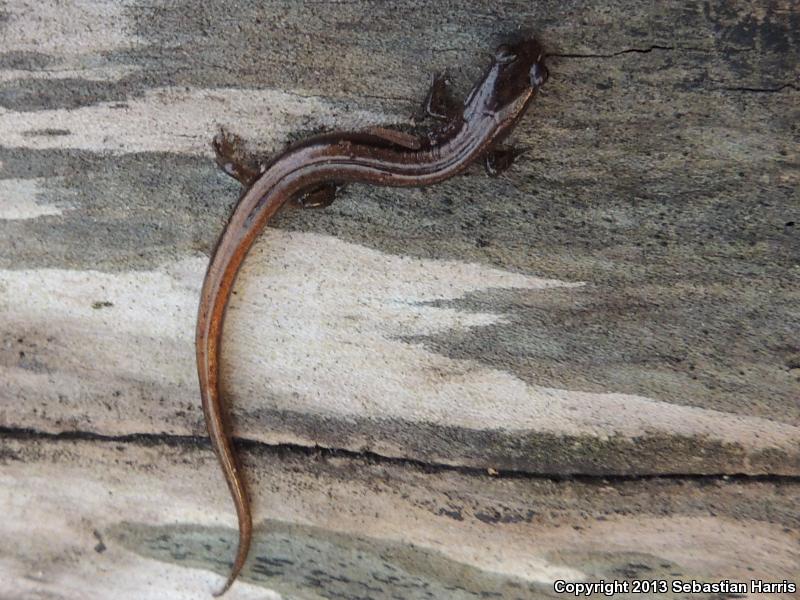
622, 303
100, 516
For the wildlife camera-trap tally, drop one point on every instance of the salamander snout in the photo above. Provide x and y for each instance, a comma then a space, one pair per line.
518, 71
521, 65
539, 74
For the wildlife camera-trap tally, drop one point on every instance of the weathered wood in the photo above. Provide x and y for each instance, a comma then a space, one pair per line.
623, 301
101, 517
660, 181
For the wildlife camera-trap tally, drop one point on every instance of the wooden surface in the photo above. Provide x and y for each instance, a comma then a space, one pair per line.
346, 527
623, 303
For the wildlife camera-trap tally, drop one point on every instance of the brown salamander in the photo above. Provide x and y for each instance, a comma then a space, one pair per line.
312, 169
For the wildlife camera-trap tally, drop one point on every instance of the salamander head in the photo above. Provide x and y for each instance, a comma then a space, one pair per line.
517, 72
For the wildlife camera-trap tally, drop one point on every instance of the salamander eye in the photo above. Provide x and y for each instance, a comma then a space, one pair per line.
503, 55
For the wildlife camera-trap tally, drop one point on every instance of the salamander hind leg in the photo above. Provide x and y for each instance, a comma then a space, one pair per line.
233, 160
318, 197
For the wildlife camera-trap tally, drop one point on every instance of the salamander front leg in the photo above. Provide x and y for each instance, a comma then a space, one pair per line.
234, 160
499, 158
439, 103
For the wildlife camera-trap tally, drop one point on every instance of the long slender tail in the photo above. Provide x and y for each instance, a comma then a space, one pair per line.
228, 256
216, 291
220, 440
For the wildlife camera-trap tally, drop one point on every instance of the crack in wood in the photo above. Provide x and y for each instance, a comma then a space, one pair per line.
173, 440
780, 88
651, 48
621, 52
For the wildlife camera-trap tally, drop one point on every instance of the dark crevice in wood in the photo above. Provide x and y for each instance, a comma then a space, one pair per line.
194, 441
649, 49
780, 88
621, 52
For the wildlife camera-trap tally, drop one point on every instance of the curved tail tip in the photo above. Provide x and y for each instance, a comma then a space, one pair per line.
226, 587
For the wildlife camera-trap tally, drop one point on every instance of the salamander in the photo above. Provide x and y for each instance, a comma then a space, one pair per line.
310, 172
